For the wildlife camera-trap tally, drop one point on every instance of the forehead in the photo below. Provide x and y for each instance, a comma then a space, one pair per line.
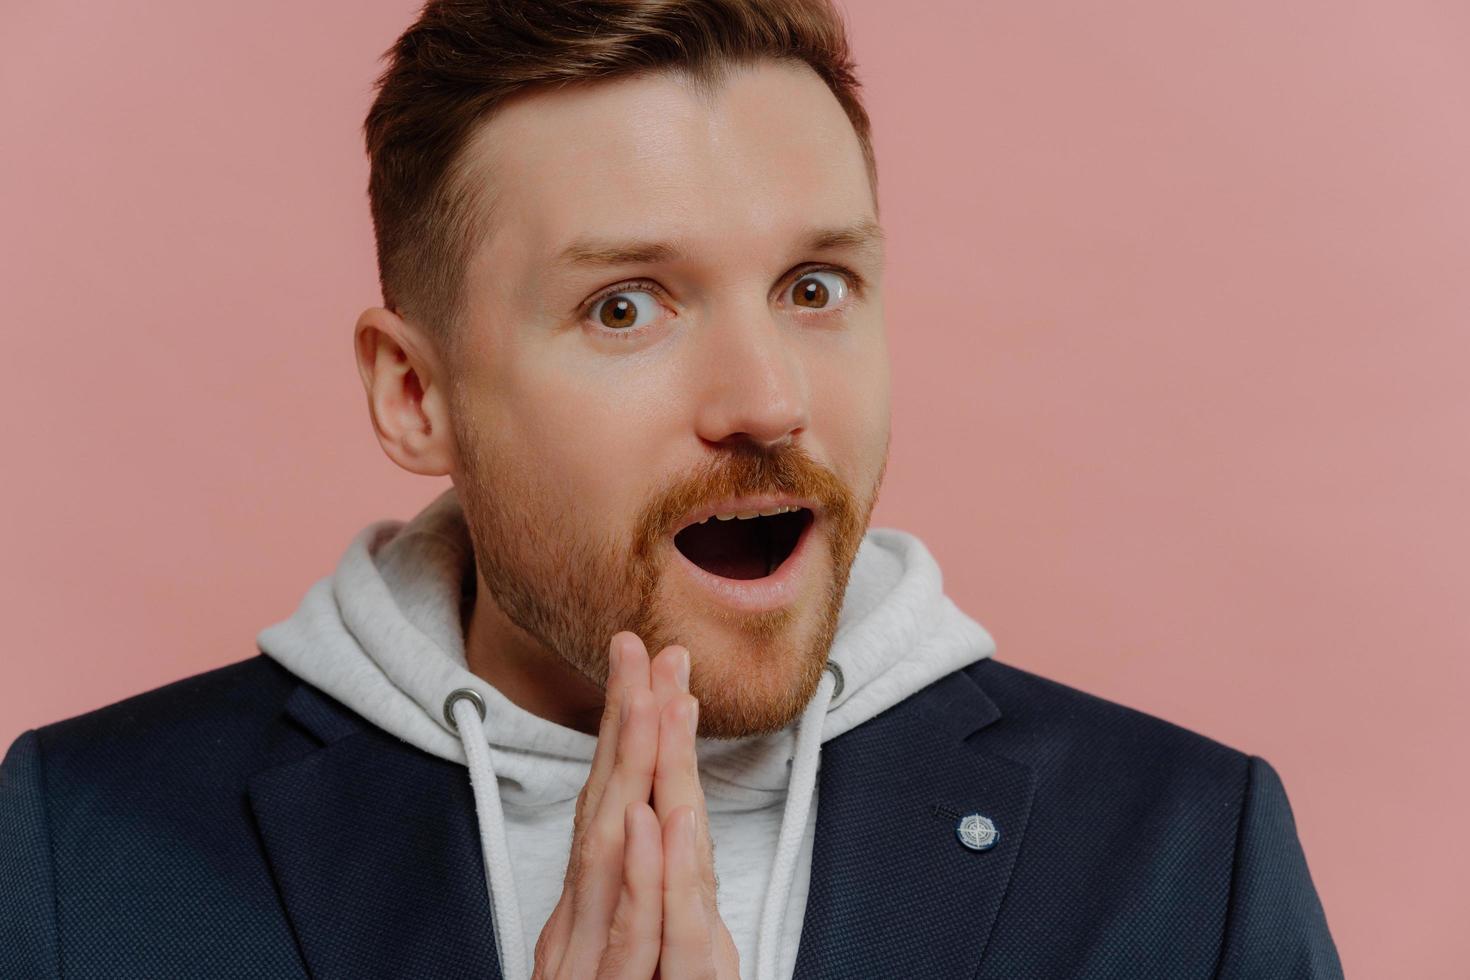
769, 152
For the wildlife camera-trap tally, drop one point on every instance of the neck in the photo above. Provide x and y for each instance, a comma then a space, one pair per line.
521, 668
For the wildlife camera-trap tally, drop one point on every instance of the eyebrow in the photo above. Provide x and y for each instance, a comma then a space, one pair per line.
865, 235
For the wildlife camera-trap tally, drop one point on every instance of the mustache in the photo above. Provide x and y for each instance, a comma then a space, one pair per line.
747, 469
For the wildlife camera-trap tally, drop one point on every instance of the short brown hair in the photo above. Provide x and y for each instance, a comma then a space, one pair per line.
463, 58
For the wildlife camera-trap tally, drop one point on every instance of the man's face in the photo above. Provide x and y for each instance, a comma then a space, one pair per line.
678, 304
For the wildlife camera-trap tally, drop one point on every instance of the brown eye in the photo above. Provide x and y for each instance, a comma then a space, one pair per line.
818, 290
623, 311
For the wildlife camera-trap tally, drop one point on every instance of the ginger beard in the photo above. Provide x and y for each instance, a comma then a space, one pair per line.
571, 588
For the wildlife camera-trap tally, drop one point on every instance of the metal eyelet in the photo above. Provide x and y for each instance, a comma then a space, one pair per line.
455, 695
837, 673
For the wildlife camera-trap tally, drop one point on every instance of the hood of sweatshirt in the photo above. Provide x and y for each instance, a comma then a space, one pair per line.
383, 635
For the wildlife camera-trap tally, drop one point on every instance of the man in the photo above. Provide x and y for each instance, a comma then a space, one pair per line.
632, 261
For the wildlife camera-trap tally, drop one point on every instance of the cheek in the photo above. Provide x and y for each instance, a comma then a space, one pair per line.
850, 404
591, 444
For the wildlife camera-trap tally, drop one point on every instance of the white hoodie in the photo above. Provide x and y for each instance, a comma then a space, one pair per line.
383, 635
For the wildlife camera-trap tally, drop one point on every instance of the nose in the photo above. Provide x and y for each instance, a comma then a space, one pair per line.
756, 385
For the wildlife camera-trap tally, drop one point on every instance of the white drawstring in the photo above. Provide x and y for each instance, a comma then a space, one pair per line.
510, 940
793, 822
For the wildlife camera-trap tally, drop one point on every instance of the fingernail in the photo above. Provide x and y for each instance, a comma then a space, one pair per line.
693, 716
682, 674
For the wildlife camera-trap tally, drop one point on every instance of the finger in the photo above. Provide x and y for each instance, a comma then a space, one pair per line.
600, 864
676, 773
551, 945
669, 674
627, 668
631, 778
686, 948
633, 938
627, 665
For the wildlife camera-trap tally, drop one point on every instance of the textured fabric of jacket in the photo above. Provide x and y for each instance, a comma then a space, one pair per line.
241, 823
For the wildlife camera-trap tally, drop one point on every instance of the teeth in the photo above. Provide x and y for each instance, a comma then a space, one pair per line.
747, 515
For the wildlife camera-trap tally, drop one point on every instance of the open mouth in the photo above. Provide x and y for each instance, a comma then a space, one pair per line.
743, 547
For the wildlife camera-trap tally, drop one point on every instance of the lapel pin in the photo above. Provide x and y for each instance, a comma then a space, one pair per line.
977, 832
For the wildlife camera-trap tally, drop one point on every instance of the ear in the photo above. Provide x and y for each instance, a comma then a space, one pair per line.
406, 392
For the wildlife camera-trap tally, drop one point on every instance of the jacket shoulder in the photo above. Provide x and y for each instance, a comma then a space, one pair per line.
1048, 718
131, 827
209, 718
1188, 842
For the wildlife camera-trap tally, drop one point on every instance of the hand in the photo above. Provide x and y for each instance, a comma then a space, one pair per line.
609, 921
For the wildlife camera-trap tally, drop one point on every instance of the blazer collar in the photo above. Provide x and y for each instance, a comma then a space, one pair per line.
376, 851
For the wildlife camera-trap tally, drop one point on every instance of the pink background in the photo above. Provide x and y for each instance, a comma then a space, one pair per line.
1177, 299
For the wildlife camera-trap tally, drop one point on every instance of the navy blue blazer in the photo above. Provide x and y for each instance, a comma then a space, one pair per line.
241, 823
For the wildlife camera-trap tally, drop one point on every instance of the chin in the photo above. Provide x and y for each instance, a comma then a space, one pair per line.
750, 685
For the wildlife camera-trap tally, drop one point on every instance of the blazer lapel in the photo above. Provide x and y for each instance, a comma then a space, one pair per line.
893, 890
376, 852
